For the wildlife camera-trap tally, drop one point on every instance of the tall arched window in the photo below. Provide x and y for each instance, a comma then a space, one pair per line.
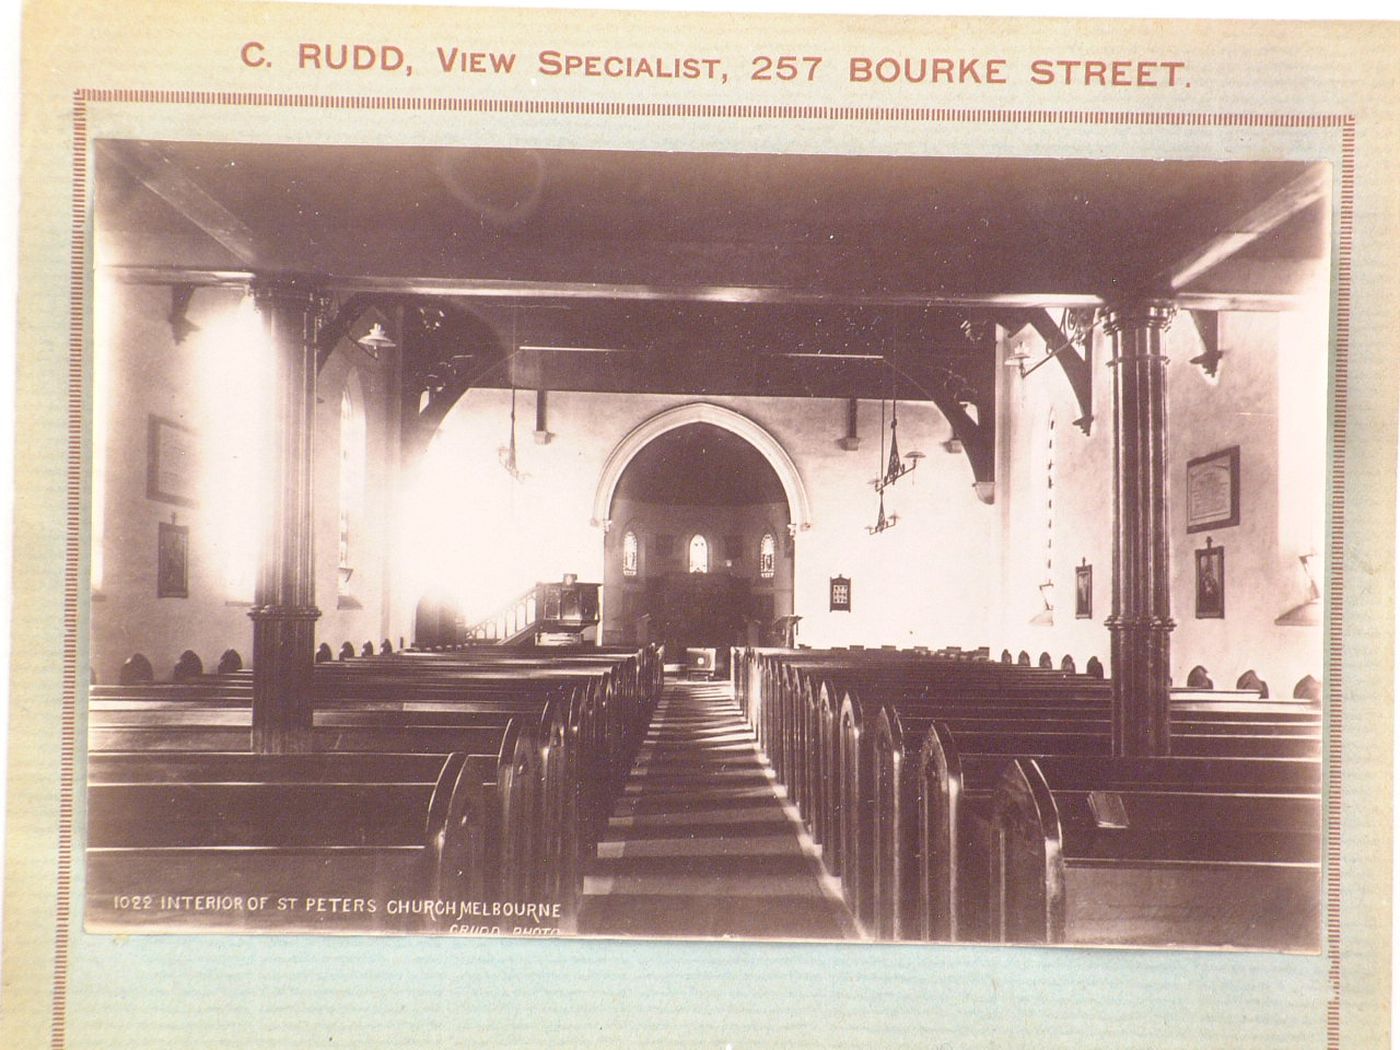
352, 486
629, 553
767, 556
699, 554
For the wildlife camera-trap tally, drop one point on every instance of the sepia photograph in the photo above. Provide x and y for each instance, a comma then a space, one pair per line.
513, 480
679, 529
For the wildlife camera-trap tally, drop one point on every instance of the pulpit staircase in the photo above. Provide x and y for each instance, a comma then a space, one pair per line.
547, 614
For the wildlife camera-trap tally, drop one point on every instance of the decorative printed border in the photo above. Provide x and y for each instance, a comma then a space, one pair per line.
78, 290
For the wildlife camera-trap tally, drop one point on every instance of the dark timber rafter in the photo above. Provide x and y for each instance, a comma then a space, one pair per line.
977, 439
952, 392
172, 184
1061, 344
1306, 189
491, 288
336, 325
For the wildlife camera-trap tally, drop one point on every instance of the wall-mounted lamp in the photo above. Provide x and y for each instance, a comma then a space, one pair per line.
375, 340
180, 325
1046, 616
1309, 613
1017, 358
1207, 324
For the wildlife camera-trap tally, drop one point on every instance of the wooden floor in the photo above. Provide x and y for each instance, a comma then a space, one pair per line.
702, 843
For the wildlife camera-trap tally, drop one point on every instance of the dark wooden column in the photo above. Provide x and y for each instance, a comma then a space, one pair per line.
1140, 624
284, 614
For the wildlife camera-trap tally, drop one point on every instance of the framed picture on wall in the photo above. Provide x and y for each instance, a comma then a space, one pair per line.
170, 462
1213, 490
1083, 592
1210, 582
840, 594
172, 561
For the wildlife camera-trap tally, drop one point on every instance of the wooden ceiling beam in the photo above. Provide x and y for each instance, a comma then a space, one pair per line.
1306, 189
492, 289
149, 165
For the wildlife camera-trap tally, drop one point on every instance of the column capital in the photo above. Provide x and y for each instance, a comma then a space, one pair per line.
1150, 623
1138, 313
284, 612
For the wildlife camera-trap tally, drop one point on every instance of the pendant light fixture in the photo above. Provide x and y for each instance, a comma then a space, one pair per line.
896, 466
883, 521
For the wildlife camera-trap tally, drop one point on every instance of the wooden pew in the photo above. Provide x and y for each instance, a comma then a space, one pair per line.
782, 697
875, 744
593, 744
241, 841
939, 868
617, 708
790, 717
890, 800
1198, 868
531, 859
418, 706
792, 720
1071, 723
420, 725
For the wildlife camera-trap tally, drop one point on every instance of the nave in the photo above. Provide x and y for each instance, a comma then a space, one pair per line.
702, 842
495, 791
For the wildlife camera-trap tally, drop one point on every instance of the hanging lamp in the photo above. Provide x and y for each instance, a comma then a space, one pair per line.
883, 521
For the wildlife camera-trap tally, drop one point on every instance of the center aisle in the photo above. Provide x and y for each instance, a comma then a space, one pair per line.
701, 844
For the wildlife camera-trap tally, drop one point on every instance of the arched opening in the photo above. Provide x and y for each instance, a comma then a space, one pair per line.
702, 558
795, 492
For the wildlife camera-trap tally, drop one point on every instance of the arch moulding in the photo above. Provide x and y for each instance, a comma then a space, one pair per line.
799, 510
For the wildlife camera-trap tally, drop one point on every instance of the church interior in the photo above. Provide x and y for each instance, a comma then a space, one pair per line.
625, 543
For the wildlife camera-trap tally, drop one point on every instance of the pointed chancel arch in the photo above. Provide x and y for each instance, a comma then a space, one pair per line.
799, 509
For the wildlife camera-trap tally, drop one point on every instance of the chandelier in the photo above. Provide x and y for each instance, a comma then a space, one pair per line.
507, 451
893, 466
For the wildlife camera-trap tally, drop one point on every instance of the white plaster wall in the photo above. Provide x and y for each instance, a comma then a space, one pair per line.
923, 582
1269, 399
1083, 511
953, 571
140, 371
